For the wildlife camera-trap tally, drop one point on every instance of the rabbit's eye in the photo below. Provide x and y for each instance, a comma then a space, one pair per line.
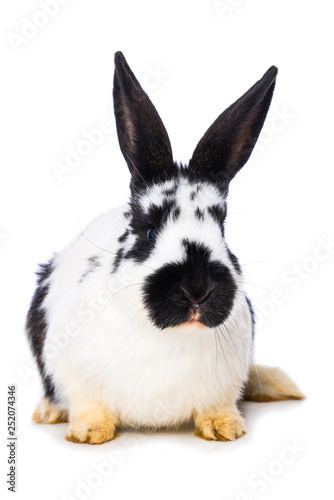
151, 235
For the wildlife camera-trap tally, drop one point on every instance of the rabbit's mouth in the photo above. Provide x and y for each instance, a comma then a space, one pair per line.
195, 323
194, 315
192, 325
194, 320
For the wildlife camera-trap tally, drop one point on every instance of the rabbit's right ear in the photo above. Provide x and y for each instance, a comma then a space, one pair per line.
142, 136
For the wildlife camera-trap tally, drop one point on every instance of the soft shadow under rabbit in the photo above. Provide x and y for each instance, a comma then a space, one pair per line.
142, 320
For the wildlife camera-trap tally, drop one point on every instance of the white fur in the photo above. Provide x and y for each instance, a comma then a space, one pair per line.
101, 344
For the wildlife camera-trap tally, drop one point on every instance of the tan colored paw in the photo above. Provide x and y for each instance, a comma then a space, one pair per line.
49, 413
92, 427
222, 427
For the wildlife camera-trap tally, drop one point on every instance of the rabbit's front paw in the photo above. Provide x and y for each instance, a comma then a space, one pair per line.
92, 427
221, 427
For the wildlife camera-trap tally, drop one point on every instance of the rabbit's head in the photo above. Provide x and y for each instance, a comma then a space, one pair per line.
177, 213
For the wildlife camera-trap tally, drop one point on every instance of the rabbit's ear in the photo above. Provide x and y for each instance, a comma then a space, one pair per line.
228, 143
142, 136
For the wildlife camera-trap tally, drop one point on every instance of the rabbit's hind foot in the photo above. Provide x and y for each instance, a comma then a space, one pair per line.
48, 412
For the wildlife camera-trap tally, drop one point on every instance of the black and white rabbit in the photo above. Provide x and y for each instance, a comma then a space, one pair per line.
142, 320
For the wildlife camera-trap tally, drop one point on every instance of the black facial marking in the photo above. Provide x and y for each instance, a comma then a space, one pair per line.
142, 222
172, 293
218, 212
36, 326
159, 214
234, 261
118, 259
93, 263
176, 214
193, 195
170, 192
252, 313
124, 236
199, 214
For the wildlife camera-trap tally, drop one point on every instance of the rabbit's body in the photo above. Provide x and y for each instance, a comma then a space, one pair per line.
99, 341
142, 320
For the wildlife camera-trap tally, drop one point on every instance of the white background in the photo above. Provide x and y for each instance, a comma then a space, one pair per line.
194, 58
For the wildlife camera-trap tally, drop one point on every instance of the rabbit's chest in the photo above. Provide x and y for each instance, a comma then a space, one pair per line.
158, 383
153, 378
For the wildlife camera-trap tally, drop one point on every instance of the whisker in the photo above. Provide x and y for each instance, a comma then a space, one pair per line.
241, 329
113, 295
95, 245
136, 169
222, 349
252, 284
216, 355
243, 264
143, 323
227, 342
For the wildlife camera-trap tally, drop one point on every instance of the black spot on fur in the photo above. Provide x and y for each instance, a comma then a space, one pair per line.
118, 259
193, 195
252, 313
199, 214
36, 326
170, 192
93, 263
175, 291
218, 212
127, 215
124, 236
176, 213
141, 222
234, 261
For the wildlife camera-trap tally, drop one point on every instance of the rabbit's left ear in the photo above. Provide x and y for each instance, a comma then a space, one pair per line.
142, 136
228, 143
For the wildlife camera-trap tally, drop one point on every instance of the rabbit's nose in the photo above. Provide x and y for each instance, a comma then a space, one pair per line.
196, 298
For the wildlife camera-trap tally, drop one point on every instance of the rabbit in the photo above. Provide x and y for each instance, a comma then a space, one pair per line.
142, 320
